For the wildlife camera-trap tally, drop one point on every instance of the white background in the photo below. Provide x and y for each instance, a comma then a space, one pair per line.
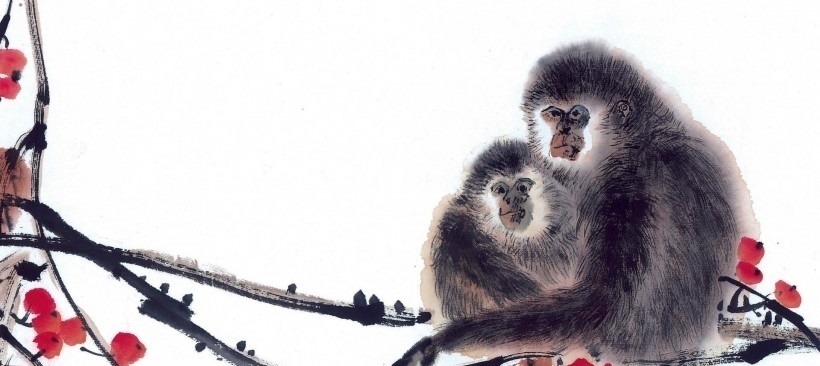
310, 142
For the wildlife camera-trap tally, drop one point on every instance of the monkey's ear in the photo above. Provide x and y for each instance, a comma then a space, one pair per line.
620, 113
552, 114
500, 188
523, 185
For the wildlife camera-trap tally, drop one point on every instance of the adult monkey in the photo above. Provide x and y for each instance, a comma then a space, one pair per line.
661, 206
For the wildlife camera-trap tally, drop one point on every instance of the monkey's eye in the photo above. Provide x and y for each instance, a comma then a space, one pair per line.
499, 188
524, 185
552, 113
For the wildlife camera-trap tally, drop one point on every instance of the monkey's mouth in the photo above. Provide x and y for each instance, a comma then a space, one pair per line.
512, 219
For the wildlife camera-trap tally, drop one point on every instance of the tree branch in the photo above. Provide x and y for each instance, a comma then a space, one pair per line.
6, 335
157, 305
76, 244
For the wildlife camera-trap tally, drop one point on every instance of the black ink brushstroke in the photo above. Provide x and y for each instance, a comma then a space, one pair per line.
758, 351
6, 335
38, 141
77, 311
778, 309
29, 271
78, 245
157, 305
4, 24
90, 250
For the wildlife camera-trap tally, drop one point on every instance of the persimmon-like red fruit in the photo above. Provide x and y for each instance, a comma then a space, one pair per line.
49, 343
39, 301
581, 362
787, 295
72, 331
127, 349
750, 250
45, 323
748, 273
11, 60
9, 88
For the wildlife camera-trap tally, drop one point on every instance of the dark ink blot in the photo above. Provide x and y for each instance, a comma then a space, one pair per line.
252, 352
424, 317
373, 300
720, 305
164, 288
399, 306
240, 345
760, 350
29, 271
359, 300
291, 289
768, 319
199, 347
560, 362
778, 319
143, 278
187, 299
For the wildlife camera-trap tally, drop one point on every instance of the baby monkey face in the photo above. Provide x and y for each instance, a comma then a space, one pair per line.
514, 203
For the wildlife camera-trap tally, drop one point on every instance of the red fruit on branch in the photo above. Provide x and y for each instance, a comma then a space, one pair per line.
45, 323
748, 273
39, 301
49, 343
581, 362
750, 250
127, 349
11, 60
9, 88
72, 331
787, 295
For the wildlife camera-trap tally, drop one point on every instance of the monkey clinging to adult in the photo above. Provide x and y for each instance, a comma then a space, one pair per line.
507, 236
660, 208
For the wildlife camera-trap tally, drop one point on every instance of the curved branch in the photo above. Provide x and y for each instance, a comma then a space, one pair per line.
157, 305
72, 242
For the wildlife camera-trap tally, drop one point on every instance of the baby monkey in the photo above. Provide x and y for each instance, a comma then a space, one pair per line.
508, 235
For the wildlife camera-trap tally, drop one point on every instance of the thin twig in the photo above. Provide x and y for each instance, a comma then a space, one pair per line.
6, 335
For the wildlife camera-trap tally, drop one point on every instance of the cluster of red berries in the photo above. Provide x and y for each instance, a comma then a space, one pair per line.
11, 65
53, 332
750, 252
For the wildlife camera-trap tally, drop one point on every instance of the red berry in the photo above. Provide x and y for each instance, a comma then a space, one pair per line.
126, 349
9, 88
49, 343
11, 60
750, 250
72, 331
581, 362
787, 295
45, 323
748, 273
39, 301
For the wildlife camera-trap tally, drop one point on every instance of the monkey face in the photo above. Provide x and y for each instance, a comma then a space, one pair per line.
514, 203
564, 130
568, 130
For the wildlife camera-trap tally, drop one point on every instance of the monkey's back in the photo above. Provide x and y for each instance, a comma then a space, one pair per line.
662, 205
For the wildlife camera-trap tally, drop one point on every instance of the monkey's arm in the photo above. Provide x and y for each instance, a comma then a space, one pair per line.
471, 273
